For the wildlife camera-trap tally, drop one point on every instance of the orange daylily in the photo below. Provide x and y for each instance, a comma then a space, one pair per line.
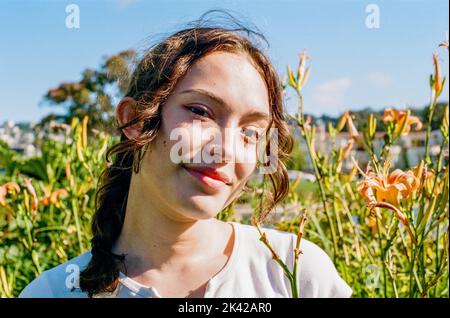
385, 191
53, 198
9, 187
408, 179
389, 188
403, 120
380, 189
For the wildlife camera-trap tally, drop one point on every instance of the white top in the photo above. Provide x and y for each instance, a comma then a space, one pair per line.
249, 273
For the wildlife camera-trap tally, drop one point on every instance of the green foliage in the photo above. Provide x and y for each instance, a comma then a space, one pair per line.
297, 159
64, 179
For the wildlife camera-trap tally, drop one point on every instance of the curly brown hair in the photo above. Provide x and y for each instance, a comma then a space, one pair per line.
154, 78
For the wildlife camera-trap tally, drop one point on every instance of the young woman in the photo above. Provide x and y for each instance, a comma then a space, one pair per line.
154, 230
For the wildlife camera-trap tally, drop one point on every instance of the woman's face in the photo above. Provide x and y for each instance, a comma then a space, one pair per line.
210, 124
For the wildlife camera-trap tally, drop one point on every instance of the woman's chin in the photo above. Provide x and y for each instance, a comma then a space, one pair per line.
200, 207
191, 198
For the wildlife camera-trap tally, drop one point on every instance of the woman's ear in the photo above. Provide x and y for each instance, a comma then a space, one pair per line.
125, 112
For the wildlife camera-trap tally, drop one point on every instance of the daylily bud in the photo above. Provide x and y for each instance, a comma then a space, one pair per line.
302, 75
341, 123
351, 126
331, 130
68, 173
436, 82
305, 77
372, 125
79, 145
84, 131
33, 196
301, 66
353, 131
291, 78
345, 152
298, 81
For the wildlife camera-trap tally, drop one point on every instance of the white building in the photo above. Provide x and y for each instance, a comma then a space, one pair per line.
19, 137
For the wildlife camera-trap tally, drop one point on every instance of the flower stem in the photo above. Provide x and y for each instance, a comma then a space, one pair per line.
428, 134
300, 122
382, 255
77, 224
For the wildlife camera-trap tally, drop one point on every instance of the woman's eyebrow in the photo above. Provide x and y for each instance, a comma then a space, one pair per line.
256, 115
250, 115
207, 94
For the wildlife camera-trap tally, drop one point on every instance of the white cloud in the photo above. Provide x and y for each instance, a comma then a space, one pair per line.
380, 79
331, 94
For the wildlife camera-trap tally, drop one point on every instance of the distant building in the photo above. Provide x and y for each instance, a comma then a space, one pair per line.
22, 138
19, 137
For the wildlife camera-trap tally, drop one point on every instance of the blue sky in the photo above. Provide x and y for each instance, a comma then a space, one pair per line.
352, 66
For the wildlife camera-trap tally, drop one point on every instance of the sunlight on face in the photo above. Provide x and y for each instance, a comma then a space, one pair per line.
221, 95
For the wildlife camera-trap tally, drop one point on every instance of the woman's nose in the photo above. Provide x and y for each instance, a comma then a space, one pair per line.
220, 147
226, 147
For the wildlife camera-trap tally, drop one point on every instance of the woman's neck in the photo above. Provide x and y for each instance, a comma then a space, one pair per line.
153, 238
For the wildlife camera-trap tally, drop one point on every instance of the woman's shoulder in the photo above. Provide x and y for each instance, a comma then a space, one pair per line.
59, 281
318, 275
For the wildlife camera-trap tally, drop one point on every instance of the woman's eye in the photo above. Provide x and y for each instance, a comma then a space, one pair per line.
251, 135
198, 111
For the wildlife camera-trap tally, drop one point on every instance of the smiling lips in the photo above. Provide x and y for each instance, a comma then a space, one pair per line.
210, 176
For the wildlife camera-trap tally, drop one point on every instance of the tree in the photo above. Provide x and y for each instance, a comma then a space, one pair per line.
93, 95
